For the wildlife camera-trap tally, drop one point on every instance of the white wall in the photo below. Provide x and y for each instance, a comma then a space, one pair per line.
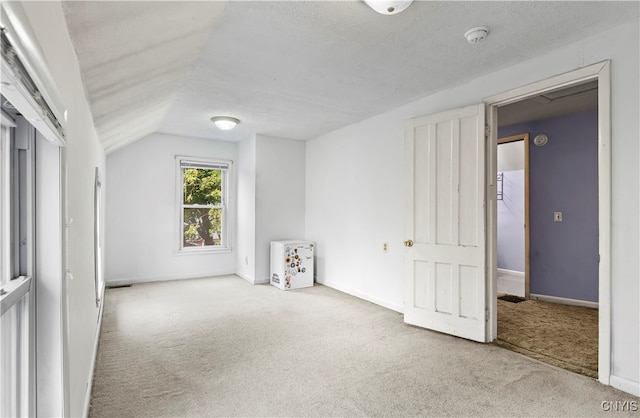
280, 196
511, 156
49, 277
354, 204
83, 153
246, 239
142, 212
271, 196
354, 198
511, 208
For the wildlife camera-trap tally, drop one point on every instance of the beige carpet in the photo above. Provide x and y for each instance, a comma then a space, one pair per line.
562, 335
223, 347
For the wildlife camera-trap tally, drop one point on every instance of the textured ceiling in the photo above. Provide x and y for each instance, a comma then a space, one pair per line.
297, 69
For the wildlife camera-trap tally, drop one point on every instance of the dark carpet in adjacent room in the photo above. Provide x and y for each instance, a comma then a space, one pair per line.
562, 335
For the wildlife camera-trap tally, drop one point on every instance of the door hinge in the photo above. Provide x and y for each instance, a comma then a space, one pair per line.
487, 131
487, 315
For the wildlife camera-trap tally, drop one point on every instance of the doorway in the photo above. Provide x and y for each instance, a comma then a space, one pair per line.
600, 74
512, 195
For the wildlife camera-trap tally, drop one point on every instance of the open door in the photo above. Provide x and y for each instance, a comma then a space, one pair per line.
445, 223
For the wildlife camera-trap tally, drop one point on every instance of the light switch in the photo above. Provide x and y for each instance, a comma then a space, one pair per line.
557, 216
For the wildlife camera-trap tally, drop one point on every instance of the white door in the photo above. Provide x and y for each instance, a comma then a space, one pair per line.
445, 192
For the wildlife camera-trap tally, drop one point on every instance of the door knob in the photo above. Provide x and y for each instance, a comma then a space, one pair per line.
408, 243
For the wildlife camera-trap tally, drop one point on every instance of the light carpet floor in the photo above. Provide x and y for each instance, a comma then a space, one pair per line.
562, 335
224, 347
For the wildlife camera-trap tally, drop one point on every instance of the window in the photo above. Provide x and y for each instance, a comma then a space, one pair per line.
17, 303
203, 203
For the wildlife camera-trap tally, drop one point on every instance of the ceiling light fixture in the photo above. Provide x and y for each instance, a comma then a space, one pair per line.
475, 35
388, 7
225, 123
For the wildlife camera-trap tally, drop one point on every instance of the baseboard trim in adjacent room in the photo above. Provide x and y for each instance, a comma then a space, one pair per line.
564, 301
511, 273
137, 280
625, 385
511, 282
360, 295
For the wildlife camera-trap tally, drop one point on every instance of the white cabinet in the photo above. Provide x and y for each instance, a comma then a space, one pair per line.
291, 264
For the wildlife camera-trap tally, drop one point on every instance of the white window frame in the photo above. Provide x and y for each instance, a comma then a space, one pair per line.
205, 163
17, 301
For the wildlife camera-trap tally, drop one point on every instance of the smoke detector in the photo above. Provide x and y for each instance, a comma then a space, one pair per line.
476, 35
540, 140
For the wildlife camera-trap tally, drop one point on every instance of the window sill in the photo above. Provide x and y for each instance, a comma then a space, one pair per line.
202, 251
14, 291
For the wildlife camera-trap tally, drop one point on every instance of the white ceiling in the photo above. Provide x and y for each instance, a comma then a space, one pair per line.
297, 69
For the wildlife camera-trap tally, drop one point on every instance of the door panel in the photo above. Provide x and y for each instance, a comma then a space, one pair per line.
445, 263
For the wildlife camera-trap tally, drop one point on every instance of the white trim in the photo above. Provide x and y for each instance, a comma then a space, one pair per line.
264, 280
210, 250
225, 242
137, 280
602, 73
563, 301
245, 277
15, 290
604, 222
252, 280
360, 295
87, 395
7, 120
512, 282
28, 50
625, 385
511, 272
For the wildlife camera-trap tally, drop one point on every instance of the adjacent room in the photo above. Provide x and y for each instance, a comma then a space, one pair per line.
391, 158
548, 258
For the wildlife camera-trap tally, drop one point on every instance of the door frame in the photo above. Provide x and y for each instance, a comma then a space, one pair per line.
602, 73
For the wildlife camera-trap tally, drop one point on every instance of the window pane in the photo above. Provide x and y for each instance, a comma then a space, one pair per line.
201, 186
202, 226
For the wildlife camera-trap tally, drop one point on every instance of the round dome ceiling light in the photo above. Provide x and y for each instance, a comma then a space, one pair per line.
225, 123
388, 7
476, 35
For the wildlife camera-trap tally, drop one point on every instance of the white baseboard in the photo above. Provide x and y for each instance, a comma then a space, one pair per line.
511, 273
87, 396
625, 385
135, 280
360, 295
264, 280
253, 280
564, 301
511, 282
245, 277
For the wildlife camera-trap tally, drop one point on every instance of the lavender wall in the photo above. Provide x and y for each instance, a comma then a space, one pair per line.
563, 177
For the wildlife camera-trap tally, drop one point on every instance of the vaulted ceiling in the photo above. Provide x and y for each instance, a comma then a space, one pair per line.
297, 69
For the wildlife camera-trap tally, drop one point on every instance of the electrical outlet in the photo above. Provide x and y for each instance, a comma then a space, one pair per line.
385, 247
557, 216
